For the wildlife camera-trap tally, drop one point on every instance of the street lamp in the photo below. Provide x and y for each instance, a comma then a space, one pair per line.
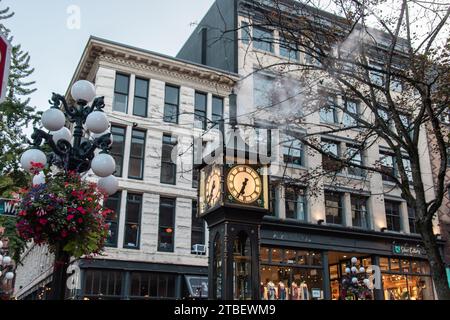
355, 281
73, 150
6, 267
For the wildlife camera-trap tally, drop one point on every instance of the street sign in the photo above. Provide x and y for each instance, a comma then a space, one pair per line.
5, 60
8, 208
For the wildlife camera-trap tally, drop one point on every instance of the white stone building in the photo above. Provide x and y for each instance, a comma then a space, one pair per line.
156, 244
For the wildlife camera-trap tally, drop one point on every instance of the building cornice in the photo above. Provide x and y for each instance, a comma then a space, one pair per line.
98, 50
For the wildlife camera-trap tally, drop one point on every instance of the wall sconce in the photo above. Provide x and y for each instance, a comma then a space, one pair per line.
320, 222
383, 229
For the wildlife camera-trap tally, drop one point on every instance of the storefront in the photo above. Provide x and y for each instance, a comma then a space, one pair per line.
304, 262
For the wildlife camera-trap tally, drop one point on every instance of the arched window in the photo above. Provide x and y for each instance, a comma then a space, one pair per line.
242, 267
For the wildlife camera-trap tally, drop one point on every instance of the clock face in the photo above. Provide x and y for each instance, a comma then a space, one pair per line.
213, 187
244, 183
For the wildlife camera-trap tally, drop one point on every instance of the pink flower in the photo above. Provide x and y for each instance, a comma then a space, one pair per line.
64, 234
70, 217
43, 221
81, 210
80, 220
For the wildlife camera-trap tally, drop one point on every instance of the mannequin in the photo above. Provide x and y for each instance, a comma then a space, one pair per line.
295, 292
263, 291
281, 291
271, 294
304, 293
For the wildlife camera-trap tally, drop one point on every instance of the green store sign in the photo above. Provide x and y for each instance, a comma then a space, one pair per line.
408, 250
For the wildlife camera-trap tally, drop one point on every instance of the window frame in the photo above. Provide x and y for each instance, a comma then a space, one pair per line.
340, 207
142, 159
204, 116
126, 222
173, 206
197, 229
168, 104
122, 156
262, 43
141, 97
174, 143
297, 192
116, 92
391, 216
331, 105
117, 197
355, 208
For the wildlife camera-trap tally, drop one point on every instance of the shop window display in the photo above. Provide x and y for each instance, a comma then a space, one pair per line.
407, 279
291, 275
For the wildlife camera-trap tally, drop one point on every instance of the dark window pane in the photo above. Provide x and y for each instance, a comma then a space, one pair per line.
168, 168
172, 95
137, 154
141, 89
197, 227
359, 211
200, 110
333, 207
140, 107
120, 102
132, 220
122, 84
166, 224
392, 215
170, 113
118, 147
113, 203
262, 39
217, 109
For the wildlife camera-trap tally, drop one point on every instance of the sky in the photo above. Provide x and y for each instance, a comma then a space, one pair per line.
50, 31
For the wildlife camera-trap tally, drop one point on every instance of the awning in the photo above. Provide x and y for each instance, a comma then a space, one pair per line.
197, 286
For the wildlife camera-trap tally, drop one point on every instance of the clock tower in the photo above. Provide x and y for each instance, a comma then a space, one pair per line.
233, 198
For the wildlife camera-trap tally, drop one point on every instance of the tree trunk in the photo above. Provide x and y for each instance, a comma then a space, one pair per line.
437, 265
62, 260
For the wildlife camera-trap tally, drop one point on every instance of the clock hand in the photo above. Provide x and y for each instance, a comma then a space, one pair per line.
244, 184
212, 190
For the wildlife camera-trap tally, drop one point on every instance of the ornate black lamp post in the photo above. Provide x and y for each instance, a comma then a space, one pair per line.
73, 153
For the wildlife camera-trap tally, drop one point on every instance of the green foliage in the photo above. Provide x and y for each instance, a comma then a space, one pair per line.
15, 115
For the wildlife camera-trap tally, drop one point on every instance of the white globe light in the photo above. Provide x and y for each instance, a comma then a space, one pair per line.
83, 90
6, 260
354, 269
103, 165
32, 155
63, 134
354, 280
9, 276
39, 179
97, 122
362, 270
1, 244
110, 185
347, 270
354, 260
53, 119
367, 282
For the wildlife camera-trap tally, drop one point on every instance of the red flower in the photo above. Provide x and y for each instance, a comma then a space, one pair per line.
22, 213
80, 220
43, 221
70, 217
81, 210
64, 234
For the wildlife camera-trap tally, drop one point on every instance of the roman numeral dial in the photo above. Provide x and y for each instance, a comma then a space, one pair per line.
244, 184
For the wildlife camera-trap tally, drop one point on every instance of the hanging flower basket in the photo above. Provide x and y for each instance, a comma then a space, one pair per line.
64, 211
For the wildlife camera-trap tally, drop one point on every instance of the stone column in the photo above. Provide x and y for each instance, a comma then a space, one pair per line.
404, 222
347, 210
131, 94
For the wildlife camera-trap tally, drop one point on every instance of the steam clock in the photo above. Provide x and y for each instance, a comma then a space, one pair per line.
233, 198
